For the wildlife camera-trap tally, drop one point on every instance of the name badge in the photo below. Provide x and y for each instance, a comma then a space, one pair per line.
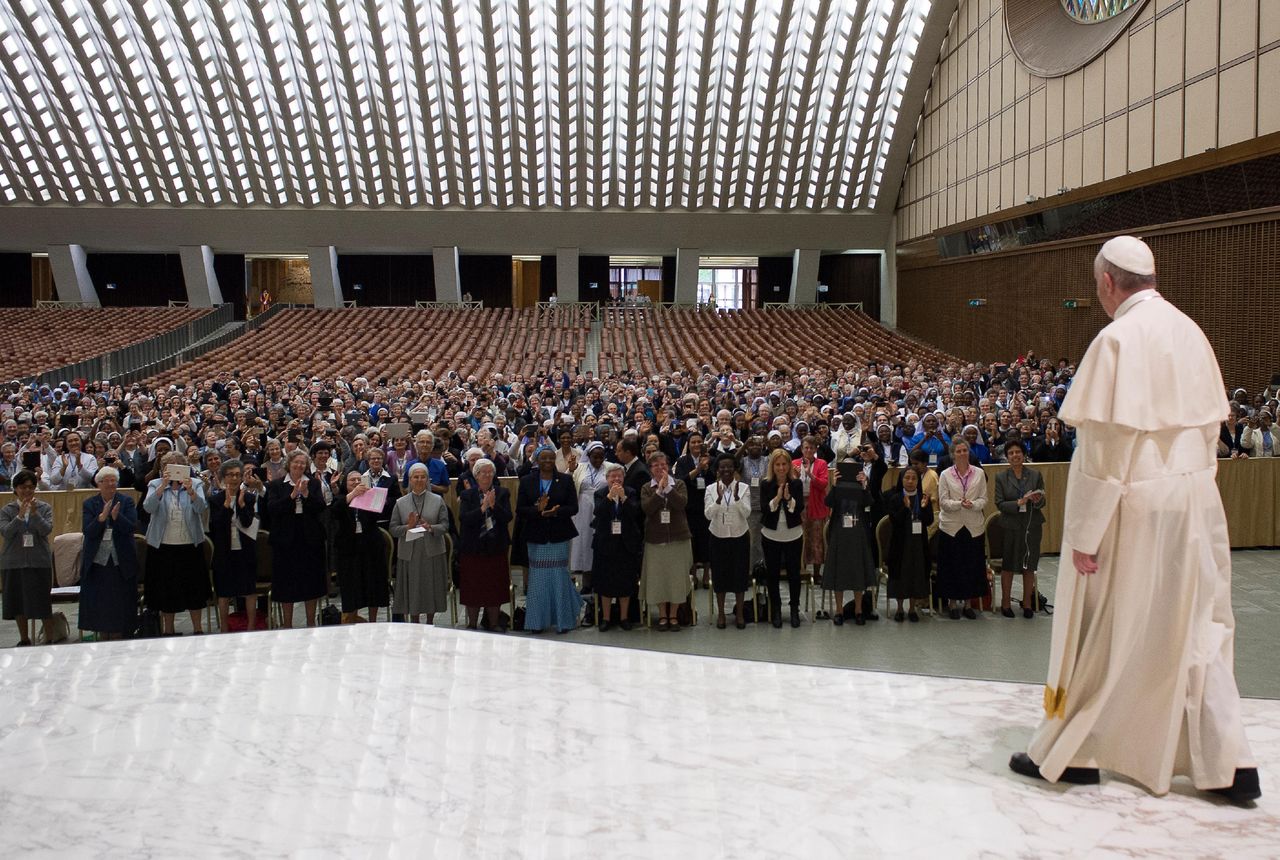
917, 527
848, 521
702, 483
28, 540
1022, 509
664, 517
933, 459
359, 527
297, 506
755, 482
106, 535
616, 526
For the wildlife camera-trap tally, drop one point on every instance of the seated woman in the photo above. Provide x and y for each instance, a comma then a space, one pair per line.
911, 513
617, 546
850, 566
108, 561
26, 563
484, 514
233, 528
419, 523
361, 555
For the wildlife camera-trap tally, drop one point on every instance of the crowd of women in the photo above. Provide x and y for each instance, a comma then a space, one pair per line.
646, 487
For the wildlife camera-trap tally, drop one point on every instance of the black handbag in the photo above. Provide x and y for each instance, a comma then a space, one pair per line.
148, 625
330, 615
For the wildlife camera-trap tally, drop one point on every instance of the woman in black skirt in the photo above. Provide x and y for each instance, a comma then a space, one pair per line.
694, 468
177, 577
962, 564
295, 504
233, 527
618, 546
728, 512
361, 555
850, 565
908, 562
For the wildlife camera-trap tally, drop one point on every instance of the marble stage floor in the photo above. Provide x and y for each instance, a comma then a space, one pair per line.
411, 741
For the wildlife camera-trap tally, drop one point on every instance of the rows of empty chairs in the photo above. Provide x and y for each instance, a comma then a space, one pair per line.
401, 343
753, 340
35, 340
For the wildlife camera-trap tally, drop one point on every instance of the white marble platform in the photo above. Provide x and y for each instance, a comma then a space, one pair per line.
409, 741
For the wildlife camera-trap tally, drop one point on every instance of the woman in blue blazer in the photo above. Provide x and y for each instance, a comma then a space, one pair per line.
108, 563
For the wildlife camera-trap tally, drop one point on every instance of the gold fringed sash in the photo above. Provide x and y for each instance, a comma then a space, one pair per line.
1055, 702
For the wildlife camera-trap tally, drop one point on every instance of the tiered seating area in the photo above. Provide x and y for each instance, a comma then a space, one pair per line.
401, 343
755, 341
35, 340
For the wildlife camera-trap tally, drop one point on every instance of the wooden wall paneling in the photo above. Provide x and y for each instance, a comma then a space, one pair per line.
41, 280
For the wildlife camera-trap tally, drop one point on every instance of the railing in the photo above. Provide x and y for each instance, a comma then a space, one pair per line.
174, 304
448, 306
813, 306
41, 304
127, 359
594, 307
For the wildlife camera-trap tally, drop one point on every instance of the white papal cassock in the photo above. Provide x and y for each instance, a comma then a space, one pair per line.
1141, 678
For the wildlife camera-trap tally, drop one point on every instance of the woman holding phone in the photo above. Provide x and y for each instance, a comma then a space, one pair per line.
1020, 499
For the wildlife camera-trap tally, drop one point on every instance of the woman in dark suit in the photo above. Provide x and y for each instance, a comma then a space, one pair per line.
546, 504
911, 513
295, 503
232, 514
781, 533
484, 513
1020, 498
361, 555
108, 562
617, 547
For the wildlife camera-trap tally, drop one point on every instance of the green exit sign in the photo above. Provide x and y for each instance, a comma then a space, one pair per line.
1070, 304
977, 303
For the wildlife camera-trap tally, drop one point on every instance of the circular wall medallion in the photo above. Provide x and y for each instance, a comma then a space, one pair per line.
1055, 37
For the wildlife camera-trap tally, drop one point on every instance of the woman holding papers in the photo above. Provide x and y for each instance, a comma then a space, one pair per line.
233, 526
419, 523
361, 554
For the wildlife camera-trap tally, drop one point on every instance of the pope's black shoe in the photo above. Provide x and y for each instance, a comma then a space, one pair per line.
1022, 763
1244, 789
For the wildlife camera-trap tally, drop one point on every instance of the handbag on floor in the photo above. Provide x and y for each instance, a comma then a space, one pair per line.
330, 615
57, 630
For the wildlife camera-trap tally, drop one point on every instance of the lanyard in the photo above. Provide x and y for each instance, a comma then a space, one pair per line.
545, 486
964, 480
419, 508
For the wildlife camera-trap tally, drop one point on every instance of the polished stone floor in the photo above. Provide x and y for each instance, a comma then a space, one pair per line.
395, 740
991, 648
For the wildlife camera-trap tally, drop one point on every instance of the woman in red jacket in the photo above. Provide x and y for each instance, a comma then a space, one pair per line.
812, 472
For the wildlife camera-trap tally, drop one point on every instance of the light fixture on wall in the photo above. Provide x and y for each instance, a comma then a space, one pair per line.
359, 288
111, 286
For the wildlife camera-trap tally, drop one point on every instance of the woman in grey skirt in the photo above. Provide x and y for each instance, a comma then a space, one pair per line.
419, 523
26, 564
1020, 499
668, 552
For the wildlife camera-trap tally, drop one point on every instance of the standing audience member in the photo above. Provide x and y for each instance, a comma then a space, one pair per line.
781, 533
668, 554
546, 504
694, 469
728, 511
588, 477
295, 503
73, 469
962, 565
484, 519
26, 563
850, 566
812, 471
108, 560
233, 528
618, 546
177, 576
911, 513
420, 524
362, 560
1020, 499
753, 469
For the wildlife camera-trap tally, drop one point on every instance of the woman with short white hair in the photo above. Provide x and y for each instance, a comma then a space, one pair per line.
419, 523
108, 561
484, 514
295, 503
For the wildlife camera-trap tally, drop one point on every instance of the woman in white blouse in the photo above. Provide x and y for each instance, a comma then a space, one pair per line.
727, 505
962, 565
73, 469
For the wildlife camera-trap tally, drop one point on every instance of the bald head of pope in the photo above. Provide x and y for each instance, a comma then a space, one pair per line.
1124, 266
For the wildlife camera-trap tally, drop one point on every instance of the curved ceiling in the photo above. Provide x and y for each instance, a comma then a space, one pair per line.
1052, 43
773, 105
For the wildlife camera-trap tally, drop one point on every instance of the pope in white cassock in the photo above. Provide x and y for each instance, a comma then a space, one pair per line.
1141, 678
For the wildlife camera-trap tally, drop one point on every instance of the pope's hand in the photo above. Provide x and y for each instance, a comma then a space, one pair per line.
1085, 563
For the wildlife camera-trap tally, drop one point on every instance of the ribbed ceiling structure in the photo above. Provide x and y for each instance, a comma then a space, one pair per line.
544, 104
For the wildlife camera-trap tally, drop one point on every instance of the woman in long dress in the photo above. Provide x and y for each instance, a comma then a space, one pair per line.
419, 523
911, 514
850, 565
962, 563
360, 555
695, 470
619, 546
588, 477
546, 504
668, 555
484, 518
